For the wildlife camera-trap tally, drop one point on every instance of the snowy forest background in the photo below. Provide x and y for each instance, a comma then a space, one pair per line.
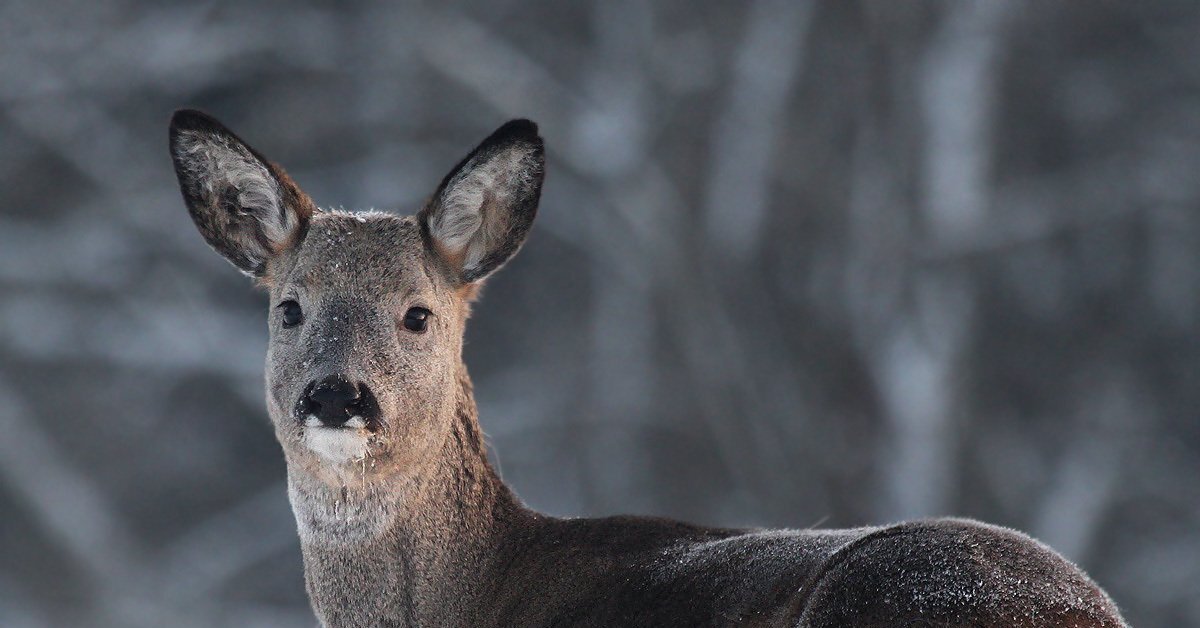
797, 264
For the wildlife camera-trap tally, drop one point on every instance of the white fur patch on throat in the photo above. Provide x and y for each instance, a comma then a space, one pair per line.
339, 445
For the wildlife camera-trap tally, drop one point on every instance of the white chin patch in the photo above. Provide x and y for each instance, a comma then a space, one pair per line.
337, 444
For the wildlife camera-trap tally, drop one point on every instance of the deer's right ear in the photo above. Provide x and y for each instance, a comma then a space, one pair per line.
247, 208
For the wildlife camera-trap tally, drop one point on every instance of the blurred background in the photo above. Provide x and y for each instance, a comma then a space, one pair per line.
797, 264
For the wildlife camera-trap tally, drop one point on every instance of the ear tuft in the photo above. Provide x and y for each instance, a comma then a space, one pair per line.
482, 211
245, 207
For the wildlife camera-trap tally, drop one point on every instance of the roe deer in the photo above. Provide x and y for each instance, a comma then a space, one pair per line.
402, 520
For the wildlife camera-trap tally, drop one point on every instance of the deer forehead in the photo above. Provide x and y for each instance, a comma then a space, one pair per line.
369, 255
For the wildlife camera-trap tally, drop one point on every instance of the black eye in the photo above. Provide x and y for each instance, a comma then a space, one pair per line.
292, 315
416, 319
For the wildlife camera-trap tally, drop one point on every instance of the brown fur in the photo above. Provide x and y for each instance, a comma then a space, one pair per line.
421, 531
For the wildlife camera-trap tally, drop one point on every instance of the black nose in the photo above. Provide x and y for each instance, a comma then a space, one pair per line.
332, 400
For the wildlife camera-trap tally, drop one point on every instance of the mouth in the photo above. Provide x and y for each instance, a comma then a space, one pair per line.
339, 418
349, 442
355, 422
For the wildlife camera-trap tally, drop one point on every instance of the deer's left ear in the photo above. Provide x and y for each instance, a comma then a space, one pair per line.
246, 207
483, 209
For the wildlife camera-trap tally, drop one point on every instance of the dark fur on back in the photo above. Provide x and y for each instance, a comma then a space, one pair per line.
952, 572
647, 572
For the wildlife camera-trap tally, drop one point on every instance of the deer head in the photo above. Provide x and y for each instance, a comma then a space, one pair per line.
367, 311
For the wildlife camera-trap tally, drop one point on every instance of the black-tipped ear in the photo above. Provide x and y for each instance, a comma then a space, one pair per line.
245, 207
483, 209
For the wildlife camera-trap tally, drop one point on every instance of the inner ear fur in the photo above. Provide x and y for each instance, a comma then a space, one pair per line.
483, 209
247, 208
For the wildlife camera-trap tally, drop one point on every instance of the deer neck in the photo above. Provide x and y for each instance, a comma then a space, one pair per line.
415, 551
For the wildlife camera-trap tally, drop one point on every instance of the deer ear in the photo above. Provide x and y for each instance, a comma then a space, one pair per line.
483, 209
247, 208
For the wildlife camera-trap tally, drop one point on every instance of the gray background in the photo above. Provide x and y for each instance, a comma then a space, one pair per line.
797, 264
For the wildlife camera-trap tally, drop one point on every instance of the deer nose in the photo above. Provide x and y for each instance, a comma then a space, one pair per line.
333, 400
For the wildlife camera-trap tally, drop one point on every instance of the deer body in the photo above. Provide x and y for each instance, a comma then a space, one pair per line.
402, 520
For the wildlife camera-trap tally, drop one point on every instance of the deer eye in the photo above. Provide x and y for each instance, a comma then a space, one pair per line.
292, 314
416, 319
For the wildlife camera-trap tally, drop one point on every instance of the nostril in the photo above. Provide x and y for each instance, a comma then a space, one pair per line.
333, 397
333, 401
